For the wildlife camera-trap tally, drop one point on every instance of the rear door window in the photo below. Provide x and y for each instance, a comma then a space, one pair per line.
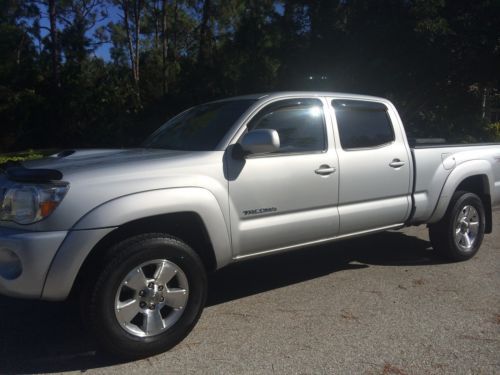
362, 124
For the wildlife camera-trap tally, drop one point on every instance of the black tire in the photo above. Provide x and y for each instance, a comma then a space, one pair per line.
98, 303
443, 234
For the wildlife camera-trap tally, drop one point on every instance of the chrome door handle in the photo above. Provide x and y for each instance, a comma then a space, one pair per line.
396, 163
324, 170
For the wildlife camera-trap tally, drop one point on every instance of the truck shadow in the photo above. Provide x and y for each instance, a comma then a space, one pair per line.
276, 271
40, 337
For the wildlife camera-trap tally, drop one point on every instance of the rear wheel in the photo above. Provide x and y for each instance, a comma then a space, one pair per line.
458, 236
147, 297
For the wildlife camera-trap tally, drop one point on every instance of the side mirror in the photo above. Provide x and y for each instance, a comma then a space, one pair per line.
260, 141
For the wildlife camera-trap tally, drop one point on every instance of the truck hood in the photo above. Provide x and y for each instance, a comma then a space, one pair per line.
127, 171
69, 162
102, 175
108, 174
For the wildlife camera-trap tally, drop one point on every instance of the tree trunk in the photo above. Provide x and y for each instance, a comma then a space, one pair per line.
157, 31
54, 50
204, 32
164, 46
20, 48
132, 41
129, 38
137, 32
174, 30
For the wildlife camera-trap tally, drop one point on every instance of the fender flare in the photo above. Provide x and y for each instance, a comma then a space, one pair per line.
455, 178
103, 219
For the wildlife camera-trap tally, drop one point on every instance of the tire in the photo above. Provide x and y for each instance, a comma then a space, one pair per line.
159, 277
459, 234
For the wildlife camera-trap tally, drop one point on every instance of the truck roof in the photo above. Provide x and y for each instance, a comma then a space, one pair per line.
259, 96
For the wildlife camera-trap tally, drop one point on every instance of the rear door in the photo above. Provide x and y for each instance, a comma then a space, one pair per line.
374, 188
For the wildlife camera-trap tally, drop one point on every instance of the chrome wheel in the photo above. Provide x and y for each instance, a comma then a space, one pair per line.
151, 298
466, 228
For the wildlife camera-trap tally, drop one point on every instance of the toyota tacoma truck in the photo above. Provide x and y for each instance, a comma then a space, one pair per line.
134, 232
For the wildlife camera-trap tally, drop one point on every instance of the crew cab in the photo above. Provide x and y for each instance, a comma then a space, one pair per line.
134, 232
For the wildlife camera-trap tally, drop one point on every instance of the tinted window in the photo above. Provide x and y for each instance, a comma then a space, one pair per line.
362, 124
299, 123
199, 129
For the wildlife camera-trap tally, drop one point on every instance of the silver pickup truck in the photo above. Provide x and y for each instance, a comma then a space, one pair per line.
134, 232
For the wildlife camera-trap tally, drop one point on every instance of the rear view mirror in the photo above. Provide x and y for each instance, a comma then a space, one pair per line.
260, 141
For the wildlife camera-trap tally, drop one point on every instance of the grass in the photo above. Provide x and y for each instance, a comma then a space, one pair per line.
24, 155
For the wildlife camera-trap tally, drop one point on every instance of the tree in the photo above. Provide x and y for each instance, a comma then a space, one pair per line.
205, 33
54, 42
80, 17
132, 19
436, 59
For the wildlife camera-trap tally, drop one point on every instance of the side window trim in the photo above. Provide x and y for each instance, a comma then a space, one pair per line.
368, 148
280, 154
361, 105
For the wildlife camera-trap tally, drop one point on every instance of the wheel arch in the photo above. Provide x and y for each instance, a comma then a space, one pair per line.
191, 214
474, 176
478, 184
186, 226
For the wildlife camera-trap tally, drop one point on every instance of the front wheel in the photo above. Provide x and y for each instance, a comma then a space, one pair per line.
147, 297
458, 236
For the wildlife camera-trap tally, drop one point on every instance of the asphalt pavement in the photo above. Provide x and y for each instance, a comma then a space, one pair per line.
383, 304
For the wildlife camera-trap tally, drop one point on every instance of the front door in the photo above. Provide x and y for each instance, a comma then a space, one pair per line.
288, 197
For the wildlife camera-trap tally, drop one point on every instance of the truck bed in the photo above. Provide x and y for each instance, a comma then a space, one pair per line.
433, 164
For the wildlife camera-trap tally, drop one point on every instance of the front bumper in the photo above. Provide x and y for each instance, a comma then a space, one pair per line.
25, 258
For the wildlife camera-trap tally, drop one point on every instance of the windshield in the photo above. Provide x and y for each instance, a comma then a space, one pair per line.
201, 128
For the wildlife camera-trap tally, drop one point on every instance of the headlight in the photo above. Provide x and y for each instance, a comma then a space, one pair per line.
29, 203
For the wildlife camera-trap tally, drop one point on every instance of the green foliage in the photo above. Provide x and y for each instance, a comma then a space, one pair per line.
437, 60
493, 131
21, 156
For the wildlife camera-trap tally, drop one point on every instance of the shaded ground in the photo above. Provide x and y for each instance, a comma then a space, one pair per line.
383, 304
